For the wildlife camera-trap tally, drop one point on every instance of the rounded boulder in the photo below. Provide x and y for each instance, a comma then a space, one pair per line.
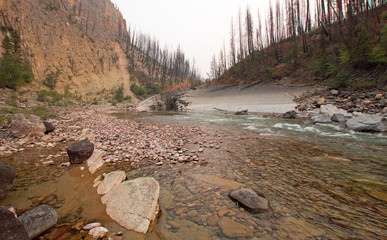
80, 151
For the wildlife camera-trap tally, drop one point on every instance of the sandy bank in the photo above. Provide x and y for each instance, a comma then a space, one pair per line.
272, 98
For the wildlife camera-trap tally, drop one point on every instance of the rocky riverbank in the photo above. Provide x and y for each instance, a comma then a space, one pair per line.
365, 102
42, 161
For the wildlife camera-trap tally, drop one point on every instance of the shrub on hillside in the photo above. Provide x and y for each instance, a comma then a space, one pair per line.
51, 79
51, 97
119, 94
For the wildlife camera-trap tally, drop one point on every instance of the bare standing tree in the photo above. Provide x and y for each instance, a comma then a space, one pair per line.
232, 44
249, 32
241, 54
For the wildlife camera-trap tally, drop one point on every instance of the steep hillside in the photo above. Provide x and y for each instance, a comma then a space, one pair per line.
345, 51
79, 42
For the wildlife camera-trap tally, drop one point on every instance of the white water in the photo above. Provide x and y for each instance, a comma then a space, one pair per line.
333, 136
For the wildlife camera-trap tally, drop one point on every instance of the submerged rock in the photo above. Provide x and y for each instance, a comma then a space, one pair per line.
249, 199
10, 227
38, 220
133, 204
300, 229
371, 123
27, 125
186, 230
80, 151
7, 175
232, 229
290, 115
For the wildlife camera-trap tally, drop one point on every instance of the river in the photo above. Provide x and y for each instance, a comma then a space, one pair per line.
322, 181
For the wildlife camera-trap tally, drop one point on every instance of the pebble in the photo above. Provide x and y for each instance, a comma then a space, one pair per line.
174, 225
98, 232
192, 213
92, 225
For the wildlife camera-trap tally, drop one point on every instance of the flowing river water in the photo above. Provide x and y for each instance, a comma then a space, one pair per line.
322, 182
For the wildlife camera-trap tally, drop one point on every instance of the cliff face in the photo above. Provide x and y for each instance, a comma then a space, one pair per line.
83, 39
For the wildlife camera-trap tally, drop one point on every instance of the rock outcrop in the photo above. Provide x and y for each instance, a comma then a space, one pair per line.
83, 40
133, 204
27, 125
7, 175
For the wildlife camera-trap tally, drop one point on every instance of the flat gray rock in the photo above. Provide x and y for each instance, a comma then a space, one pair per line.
38, 220
250, 200
321, 119
133, 204
371, 123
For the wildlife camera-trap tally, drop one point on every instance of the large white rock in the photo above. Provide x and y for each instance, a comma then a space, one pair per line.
133, 204
110, 181
371, 123
95, 161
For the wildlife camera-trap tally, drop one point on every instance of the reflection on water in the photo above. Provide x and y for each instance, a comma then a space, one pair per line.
322, 181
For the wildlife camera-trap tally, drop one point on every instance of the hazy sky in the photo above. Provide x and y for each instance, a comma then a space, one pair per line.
199, 26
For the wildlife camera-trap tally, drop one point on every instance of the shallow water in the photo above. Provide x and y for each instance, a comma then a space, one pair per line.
322, 182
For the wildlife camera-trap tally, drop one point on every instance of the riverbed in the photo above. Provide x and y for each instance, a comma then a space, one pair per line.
322, 181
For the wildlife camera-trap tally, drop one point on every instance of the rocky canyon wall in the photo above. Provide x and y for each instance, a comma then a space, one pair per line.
84, 40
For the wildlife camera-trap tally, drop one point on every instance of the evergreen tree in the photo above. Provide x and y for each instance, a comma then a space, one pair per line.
360, 54
13, 71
